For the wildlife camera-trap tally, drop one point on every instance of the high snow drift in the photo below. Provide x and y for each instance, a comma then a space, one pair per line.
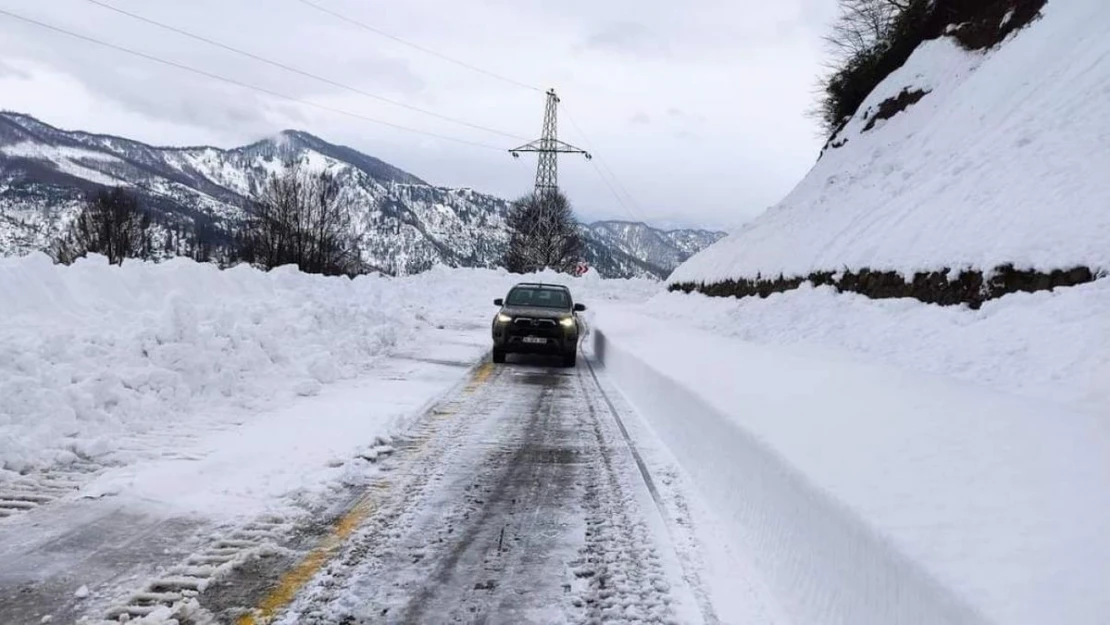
91, 352
871, 494
1048, 345
1004, 160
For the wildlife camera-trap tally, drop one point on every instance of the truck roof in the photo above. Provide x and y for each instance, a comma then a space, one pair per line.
540, 285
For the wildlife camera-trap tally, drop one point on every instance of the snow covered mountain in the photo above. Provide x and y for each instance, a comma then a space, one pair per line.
666, 249
412, 225
982, 158
635, 249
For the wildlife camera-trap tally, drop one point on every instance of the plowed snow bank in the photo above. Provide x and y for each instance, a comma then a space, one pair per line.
1046, 345
91, 352
875, 495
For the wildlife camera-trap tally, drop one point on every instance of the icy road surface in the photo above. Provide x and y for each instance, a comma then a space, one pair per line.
518, 497
516, 501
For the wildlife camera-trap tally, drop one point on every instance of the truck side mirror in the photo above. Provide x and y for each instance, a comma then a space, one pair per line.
499, 302
579, 307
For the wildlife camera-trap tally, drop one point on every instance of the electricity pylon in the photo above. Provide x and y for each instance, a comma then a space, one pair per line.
548, 147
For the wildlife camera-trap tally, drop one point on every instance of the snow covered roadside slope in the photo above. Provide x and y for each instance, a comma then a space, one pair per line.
1004, 160
872, 495
1047, 345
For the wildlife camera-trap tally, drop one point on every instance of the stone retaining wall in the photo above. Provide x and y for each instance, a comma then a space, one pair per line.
945, 287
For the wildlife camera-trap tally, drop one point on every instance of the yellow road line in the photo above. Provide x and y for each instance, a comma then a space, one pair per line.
294, 580
481, 374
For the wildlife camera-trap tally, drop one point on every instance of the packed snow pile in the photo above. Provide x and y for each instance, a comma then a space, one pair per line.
871, 494
91, 352
1048, 345
1002, 160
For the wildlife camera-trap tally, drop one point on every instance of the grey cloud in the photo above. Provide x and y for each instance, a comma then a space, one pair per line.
685, 116
612, 62
173, 95
138, 81
377, 75
9, 70
186, 99
289, 113
629, 38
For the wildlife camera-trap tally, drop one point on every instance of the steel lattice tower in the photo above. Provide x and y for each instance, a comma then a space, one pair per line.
548, 147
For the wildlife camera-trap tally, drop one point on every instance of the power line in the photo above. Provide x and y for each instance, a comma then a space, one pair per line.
294, 70
637, 211
589, 144
521, 163
237, 83
416, 46
614, 192
636, 214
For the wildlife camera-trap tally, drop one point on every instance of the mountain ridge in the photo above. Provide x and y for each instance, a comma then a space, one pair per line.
45, 173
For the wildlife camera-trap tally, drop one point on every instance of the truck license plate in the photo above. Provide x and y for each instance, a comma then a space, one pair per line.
534, 339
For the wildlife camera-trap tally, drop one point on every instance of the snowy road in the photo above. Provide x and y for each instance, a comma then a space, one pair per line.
514, 499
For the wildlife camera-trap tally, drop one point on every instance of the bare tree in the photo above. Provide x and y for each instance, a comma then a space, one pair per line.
303, 218
112, 223
543, 234
862, 26
859, 42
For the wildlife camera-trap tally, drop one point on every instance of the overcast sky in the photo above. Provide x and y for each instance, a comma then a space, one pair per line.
697, 107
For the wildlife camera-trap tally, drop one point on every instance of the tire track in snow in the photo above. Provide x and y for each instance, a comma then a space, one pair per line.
690, 573
522, 513
620, 571
23, 493
483, 565
456, 544
409, 479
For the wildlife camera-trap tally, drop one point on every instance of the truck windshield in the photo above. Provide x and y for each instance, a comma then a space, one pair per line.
545, 298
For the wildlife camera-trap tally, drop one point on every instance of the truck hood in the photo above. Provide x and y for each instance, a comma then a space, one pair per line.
536, 312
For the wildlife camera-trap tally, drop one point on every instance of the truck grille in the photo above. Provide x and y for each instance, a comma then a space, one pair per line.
535, 327
528, 322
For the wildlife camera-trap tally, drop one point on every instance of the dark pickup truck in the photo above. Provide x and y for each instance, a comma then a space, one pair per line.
537, 319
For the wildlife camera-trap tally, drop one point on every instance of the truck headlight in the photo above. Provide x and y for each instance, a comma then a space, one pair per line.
503, 318
567, 322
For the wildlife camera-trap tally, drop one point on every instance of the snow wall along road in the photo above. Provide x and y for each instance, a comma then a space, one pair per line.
872, 495
822, 562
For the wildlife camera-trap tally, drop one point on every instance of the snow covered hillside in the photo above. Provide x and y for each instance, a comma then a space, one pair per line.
1002, 160
412, 225
891, 458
